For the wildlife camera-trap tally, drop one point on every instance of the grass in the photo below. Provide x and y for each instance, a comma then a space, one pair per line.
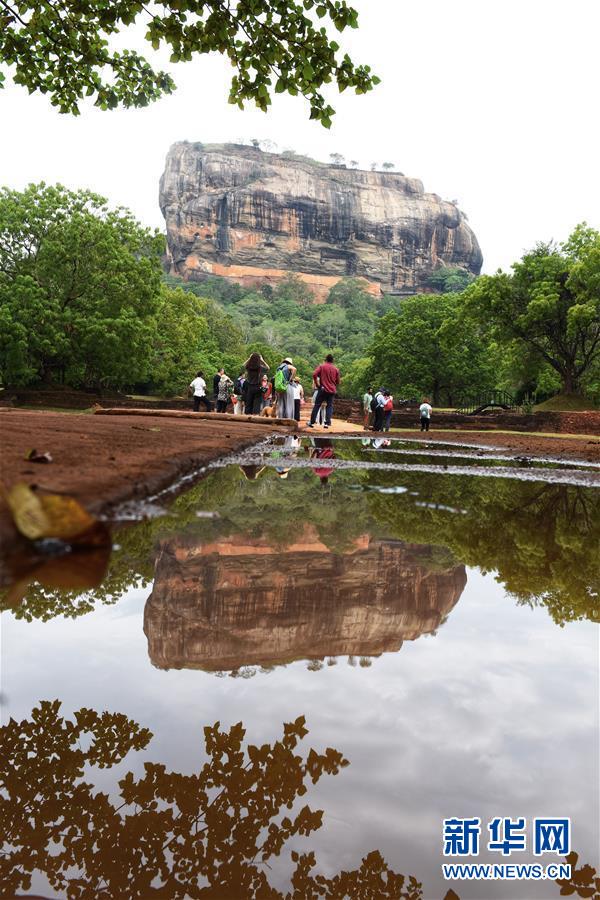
566, 403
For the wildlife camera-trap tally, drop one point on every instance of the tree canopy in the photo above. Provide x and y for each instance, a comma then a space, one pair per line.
78, 286
549, 305
425, 348
61, 48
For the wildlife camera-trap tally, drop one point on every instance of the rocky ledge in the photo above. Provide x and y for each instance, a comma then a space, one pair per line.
254, 217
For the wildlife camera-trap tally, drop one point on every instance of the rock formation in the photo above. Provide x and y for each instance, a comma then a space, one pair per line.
242, 602
255, 217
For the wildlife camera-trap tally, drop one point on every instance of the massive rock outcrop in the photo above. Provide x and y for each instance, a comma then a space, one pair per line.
255, 217
241, 601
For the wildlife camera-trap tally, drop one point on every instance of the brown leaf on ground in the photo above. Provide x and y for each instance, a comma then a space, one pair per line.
38, 515
34, 456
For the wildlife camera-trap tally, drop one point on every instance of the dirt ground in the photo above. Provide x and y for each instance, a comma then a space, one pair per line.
106, 460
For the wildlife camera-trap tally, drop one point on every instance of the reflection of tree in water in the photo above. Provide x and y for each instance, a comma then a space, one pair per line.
541, 539
209, 834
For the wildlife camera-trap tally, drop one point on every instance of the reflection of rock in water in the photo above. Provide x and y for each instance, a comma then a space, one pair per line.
241, 602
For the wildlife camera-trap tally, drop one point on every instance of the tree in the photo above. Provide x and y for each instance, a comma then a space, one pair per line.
350, 293
550, 305
61, 48
450, 279
336, 158
427, 348
79, 286
354, 164
373, 167
190, 333
388, 165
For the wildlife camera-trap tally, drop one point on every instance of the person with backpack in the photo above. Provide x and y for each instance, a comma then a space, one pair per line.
425, 411
284, 389
239, 390
326, 378
388, 408
377, 404
256, 367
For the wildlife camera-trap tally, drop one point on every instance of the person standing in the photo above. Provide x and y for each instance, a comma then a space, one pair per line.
198, 387
425, 411
266, 391
216, 379
224, 391
284, 390
239, 389
379, 403
255, 367
388, 408
366, 403
326, 378
298, 397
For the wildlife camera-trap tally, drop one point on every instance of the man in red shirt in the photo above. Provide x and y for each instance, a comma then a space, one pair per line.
326, 378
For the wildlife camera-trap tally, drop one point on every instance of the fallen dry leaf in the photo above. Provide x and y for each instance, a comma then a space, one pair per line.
34, 456
47, 515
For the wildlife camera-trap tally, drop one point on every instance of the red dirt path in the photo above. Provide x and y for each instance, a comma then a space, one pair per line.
106, 460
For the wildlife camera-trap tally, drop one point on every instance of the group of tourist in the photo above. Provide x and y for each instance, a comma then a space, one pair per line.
281, 395
379, 405
255, 393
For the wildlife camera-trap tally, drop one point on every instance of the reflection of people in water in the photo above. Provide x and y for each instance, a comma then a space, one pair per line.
290, 448
322, 449
251, 473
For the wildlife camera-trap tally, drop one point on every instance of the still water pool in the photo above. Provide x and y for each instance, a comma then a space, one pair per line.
438, 629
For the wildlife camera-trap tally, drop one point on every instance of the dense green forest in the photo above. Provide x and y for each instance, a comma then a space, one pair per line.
84, 301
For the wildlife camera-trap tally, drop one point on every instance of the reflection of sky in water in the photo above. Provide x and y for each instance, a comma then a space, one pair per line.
496, 715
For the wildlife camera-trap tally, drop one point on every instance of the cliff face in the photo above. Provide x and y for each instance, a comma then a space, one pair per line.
255, 217
241, 602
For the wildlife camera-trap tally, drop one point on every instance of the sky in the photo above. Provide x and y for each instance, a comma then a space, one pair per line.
492, 104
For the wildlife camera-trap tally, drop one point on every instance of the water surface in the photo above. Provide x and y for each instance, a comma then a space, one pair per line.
439, 632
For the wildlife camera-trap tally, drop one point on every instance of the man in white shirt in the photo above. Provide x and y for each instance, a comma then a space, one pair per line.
425, 411
198, 387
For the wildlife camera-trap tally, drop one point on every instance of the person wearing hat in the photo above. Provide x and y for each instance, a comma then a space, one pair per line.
285, 397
